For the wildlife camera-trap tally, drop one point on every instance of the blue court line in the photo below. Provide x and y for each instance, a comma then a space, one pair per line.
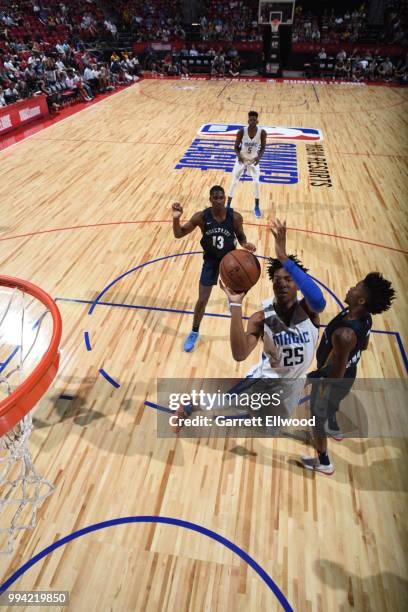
139, 267
401, 348
226, 316
206, 314
147, 263
9, 358
154, 519
87, 341
110, 380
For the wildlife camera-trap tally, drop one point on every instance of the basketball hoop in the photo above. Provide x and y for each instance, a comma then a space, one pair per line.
275, 23
30, 334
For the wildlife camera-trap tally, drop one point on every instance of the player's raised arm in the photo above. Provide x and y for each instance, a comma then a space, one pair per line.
180, 231
311, 291
242, 343
237, 146
240, 234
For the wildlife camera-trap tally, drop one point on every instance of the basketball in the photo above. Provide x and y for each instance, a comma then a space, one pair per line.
240, 270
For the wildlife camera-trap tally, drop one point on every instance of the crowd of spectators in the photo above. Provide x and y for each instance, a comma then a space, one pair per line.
357, 68
157, 20
182, 62
42, 50
234, 20
49, 46
349, 26
63, 74
160, 20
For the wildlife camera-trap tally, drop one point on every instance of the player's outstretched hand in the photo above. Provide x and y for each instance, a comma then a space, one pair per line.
235, 298
278, 229
177, 210
248, 246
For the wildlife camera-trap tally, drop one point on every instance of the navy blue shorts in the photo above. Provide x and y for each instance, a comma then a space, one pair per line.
210, 272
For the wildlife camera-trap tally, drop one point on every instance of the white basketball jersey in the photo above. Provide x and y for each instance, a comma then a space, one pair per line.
288, 351
250, 146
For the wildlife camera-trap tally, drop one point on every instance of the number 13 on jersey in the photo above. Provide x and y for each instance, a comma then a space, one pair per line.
218, 242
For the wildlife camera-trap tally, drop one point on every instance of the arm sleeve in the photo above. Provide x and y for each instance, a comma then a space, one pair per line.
311, 291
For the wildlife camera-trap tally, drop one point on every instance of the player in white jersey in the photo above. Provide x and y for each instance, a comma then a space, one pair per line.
249, 147
287, 326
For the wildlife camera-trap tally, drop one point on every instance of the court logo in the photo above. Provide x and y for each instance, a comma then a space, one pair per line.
278, 164
300, 134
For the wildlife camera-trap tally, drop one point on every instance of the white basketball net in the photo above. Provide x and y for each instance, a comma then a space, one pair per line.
25, 330
275, 25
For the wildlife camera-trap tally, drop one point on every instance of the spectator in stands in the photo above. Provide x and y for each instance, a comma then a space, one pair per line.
372, 69
91, 78
322, 55
10, 93
111, 28
340, 69
235, 67
2, 99
131, 64
315, 35
52, 98
386, 69
75, 83
218, 65
193, 51
9, 66
104, 78
401, 70
357, 73
342, 55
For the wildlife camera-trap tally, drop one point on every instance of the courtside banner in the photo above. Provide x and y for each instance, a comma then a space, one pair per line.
281, 407
14, 115
300, 134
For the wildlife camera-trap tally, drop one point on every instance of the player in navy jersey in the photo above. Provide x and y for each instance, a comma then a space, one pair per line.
220, 228
339, 352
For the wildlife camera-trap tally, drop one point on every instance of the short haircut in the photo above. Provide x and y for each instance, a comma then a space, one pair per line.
252, 114
215, 188
274, 265
380, 293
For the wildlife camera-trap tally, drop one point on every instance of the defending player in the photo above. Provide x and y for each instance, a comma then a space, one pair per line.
221, 228
339, 352
250, 145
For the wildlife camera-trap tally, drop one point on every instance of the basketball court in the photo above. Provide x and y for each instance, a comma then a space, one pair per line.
87, 217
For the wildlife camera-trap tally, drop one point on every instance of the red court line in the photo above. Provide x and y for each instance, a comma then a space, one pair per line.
114, 223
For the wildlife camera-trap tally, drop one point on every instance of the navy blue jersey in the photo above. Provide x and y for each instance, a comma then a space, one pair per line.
361, 328
218, 238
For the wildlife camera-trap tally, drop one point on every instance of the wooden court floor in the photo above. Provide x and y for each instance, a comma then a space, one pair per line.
88, 200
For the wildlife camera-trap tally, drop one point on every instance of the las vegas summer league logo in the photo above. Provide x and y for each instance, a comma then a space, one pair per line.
214, 150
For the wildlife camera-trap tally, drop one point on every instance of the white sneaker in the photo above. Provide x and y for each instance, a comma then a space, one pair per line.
313, 463
336, 434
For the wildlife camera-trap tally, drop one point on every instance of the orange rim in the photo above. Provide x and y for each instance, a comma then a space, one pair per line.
22, 400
